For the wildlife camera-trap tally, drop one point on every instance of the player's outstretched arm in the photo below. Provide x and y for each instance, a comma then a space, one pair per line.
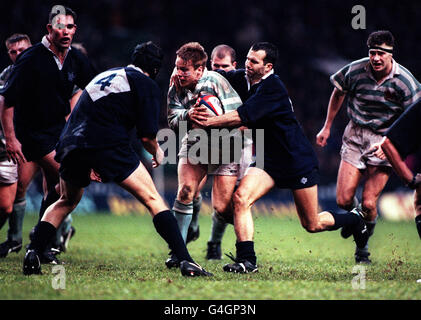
336, 99
228, 120
13, 146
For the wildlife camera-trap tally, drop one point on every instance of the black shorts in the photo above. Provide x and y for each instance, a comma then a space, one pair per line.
33, 150
112, 164
37, 144
298, 182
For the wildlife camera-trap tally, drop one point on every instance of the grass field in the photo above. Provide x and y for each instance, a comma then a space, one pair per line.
123, 258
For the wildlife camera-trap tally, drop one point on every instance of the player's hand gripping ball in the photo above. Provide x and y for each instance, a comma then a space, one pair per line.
213, 104
212, 107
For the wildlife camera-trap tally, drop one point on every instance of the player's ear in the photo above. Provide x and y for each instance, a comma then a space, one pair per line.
234, 64
268, 66
49, 27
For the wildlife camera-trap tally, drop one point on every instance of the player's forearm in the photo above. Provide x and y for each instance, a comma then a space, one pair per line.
73, 102
335, 103
150, 144
396, 161
230, 119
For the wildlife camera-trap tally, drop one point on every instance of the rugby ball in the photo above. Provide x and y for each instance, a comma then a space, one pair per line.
213, 104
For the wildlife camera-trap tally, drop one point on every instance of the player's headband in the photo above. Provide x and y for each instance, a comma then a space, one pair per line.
388, 50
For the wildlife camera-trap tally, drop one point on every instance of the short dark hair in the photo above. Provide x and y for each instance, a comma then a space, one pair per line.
59, 9
270, 49
16, 38
195, 52
222, 50
148, 57
379, 37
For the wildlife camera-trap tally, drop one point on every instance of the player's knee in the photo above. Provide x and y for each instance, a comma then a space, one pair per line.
69, 203
344, 202
312, 227
369, 206
222, 208
240, 200
6, 209
186, 194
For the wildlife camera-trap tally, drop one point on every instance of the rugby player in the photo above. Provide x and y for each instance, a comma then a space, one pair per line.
191, 79
289, 160
47, 67
223, 57
96, 137
378, 90
14, 179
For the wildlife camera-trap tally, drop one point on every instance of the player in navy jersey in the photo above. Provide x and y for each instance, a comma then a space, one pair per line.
289, 160
39, 88
402, 139
97, 137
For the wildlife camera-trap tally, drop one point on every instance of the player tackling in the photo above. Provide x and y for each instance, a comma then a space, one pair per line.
289, 160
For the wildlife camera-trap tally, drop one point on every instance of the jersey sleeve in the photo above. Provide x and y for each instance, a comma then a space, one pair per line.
270, 100
176, 112
10, 89
406, 130
86, 71
147, 96
342, 79
412, 91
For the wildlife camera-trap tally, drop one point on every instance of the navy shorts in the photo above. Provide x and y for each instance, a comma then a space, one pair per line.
37, 144
112, 164
298, 182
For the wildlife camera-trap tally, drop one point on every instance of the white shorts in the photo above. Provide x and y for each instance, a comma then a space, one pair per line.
8, 172
230, 169
246, 161
356, 142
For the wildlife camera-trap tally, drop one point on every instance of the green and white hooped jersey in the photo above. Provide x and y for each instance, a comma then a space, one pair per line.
210, 83
376, 105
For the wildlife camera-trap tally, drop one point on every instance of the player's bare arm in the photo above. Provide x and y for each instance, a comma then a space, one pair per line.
335, 103
13, 146
398, 164
227, 120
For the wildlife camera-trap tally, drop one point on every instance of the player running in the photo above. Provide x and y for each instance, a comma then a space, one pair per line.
96, 137
192, 79
378, 90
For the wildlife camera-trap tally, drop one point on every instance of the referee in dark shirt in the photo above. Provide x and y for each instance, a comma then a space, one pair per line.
39, 89
289, 160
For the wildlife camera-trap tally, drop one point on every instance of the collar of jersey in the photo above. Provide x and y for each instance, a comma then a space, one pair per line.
47, 44
262, 78
395, 70
136, 68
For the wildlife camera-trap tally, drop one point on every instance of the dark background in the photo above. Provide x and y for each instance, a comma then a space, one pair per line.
315, 39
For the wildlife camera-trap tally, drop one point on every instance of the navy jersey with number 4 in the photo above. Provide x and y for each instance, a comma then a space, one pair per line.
112, 104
